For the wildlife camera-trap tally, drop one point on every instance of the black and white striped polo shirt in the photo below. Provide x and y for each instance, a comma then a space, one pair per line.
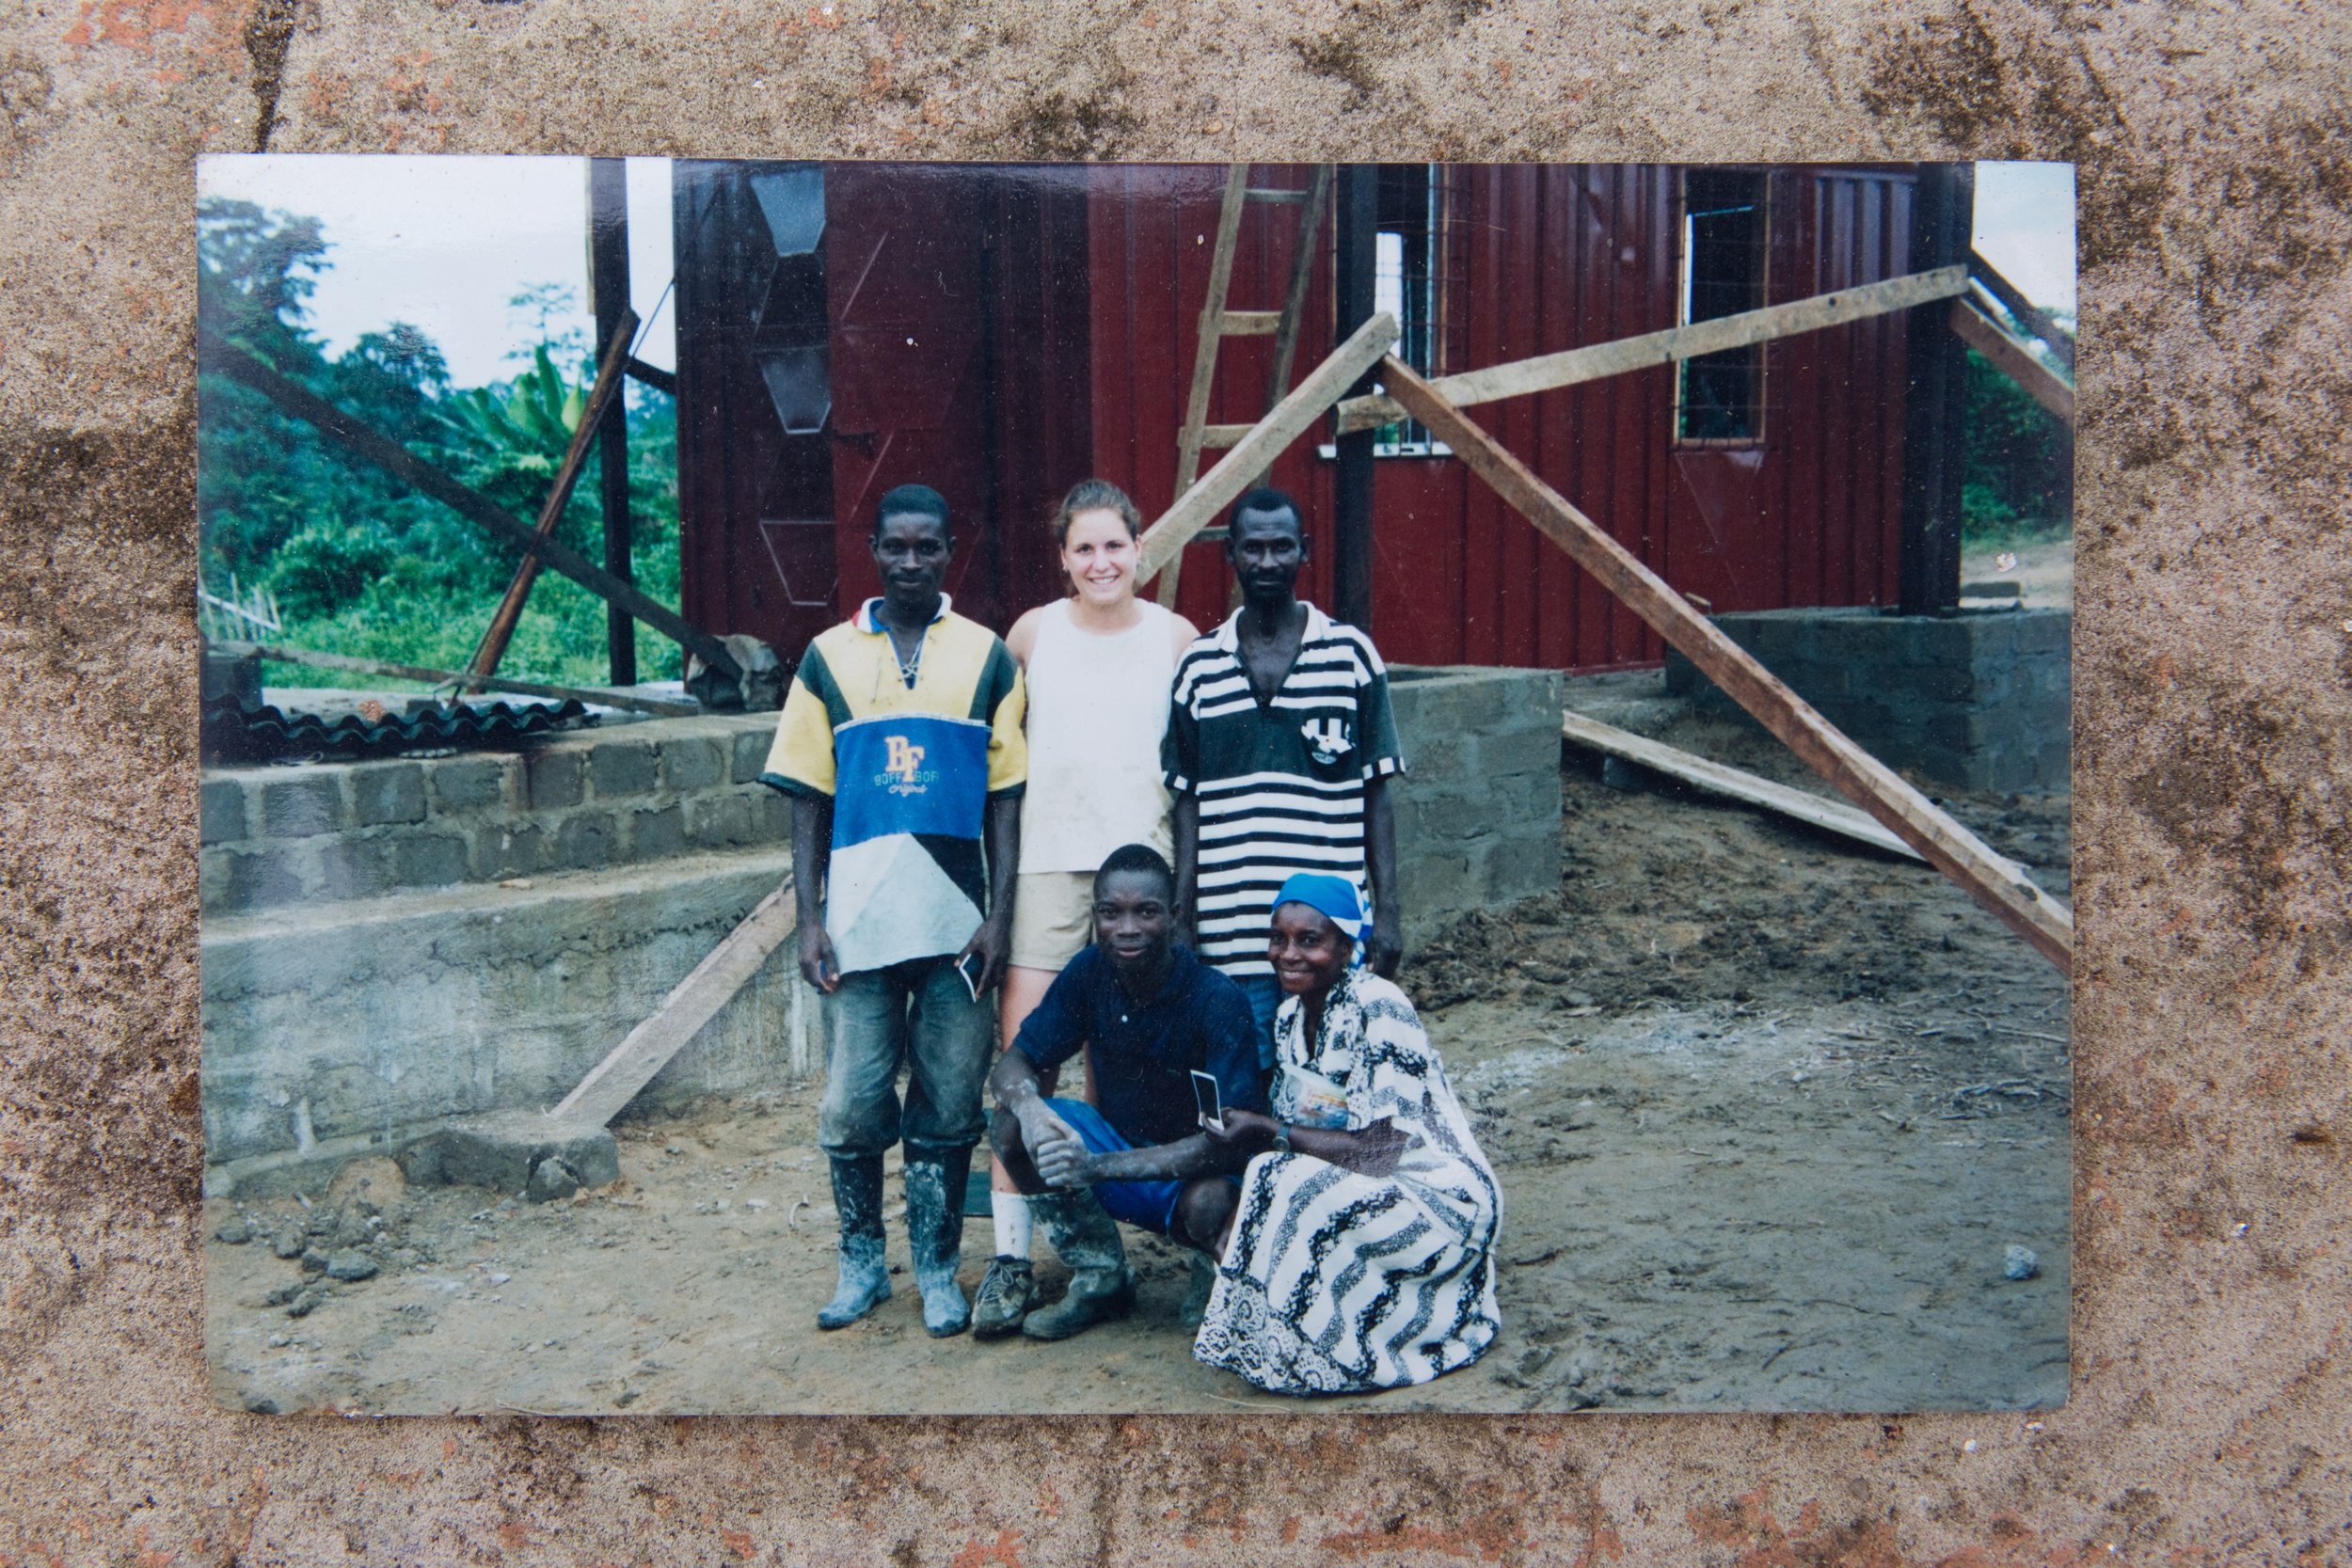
1282, 786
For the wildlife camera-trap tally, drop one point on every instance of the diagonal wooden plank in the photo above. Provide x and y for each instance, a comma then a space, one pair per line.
1596, 361
2031, 316
1993, 881
2014, 359
1288, 419
492, 648
692, 1002
1732, 784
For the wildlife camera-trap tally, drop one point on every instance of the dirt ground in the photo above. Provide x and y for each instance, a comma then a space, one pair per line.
1768, 1113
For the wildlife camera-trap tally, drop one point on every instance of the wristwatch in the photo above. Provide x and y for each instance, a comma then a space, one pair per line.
1281, 1137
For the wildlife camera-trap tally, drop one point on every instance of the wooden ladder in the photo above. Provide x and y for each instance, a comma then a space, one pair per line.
1219, 323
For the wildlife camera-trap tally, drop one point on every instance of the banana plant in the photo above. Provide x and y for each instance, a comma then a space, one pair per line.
507, 440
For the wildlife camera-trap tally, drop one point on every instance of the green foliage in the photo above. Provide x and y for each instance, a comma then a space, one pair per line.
2019, 481
359, 564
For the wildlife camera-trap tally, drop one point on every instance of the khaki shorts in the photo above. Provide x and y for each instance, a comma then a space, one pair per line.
1052, 917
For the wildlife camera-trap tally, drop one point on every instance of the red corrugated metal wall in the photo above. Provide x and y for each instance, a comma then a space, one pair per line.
1544, 257
1054, 315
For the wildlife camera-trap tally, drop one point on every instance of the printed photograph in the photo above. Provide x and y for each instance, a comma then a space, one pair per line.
912, 788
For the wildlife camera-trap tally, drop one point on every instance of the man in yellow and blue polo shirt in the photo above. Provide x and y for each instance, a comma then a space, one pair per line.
901, 745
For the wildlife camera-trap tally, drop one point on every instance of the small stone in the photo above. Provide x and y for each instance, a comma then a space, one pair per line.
351, 1265
2019, 1262
501, 1278
283, 1294
289, 1242
552, 1179
236, 1232
313, 1262
321, 1222
307, 1303
277, 1341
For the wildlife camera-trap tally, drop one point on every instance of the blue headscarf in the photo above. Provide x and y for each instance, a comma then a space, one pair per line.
1333, 897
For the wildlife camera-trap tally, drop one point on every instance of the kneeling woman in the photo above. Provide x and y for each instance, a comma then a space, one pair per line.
1361, 1255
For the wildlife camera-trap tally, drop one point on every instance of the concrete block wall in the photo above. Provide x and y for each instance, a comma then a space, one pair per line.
344, 1025
1478, 810
1979, 700
627, 794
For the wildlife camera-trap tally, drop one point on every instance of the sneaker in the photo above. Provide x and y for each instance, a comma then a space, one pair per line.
1004, 1298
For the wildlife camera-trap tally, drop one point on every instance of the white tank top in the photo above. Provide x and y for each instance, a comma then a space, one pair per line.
1098, 706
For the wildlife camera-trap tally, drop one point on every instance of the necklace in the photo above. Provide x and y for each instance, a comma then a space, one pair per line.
908, 668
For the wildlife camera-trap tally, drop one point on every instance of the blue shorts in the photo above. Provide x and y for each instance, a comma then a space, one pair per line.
1150, 1205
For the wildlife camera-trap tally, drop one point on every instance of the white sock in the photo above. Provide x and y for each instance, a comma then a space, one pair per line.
1012, 1224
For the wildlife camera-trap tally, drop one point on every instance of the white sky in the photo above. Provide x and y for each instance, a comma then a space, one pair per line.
442, 243
2026, 228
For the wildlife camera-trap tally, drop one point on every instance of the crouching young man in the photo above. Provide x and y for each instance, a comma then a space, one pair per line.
1153, 1013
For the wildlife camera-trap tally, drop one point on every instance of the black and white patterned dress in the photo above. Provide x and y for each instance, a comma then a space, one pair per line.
1336, 1282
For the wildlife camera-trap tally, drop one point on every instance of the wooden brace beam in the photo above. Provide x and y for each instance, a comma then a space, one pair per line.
1993, 881
1550, 372
693, 1002
2014, 359
1248, 458
1732, 784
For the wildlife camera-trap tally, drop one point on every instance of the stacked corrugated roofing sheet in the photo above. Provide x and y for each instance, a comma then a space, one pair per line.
240, 731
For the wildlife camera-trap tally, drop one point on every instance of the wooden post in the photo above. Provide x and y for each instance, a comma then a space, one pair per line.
1355, 228
608, 294
219, 357
1993, 881
1935, 429
601, 396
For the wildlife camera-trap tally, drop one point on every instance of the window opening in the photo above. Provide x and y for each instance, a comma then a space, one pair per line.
1412, 281
1719, 398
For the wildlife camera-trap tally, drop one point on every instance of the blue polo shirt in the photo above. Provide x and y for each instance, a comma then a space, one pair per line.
1145, 1055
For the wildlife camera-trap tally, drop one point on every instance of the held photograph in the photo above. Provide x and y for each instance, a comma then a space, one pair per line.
913, 788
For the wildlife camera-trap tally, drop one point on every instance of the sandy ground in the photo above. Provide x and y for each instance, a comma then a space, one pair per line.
1767, 1114
2044, 572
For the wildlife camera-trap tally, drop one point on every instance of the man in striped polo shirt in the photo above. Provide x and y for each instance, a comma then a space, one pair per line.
1278, 751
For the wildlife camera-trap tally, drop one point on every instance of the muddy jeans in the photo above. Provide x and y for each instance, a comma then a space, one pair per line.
919, 1013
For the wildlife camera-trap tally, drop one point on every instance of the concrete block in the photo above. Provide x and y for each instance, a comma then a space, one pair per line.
619, 767
772, 815
2046, 631
430, 858
222, 803
212, 880
259, 878
690, 763
464, 785
718, 821
1528, 749
355, 866
306, 805
553, 778
501, 1151
384, 792
656, 833
586, 840
751, 748
508, 848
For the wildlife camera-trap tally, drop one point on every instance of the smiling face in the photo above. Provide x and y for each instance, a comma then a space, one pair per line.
1135, 917
1308, 952
911, 551
1099, 554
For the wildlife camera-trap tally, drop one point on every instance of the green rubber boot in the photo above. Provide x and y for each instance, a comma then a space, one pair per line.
864, 1280
1085, 1237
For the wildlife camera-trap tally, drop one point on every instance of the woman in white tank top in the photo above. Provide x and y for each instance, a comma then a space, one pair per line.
1099, 665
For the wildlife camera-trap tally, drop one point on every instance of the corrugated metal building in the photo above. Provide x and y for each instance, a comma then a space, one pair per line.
999, 332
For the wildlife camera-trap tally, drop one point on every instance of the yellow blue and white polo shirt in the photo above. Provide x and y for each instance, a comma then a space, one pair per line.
910, 769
